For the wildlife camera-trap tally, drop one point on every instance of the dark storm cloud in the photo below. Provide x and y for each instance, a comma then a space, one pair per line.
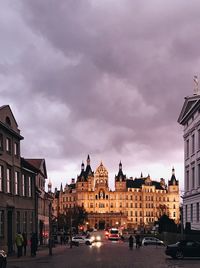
100, 77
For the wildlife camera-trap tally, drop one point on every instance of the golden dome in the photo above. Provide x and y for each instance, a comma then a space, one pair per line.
101, 171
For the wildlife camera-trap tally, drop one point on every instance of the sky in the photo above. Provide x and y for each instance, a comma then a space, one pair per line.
105, 78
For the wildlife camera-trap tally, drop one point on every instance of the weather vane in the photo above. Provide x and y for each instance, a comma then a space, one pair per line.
196, 85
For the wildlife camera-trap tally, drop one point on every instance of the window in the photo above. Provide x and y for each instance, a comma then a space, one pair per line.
1, 178
23, 185
174, 214
1, 223
186, 213
199, 139
31, 221
197, 212
29, 187
187, 180
193, 144
25, 222
18, 221
16, 149
8, 145
16, 182
198, 174
8, 180
1, 142
193, 177
187, 148
191, 212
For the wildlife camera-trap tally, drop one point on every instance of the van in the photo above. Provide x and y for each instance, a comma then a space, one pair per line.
113, 234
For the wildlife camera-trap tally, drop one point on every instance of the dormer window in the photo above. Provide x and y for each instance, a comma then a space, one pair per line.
8, 122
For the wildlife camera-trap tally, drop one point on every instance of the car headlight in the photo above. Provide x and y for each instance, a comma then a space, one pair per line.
92, 238
98, 238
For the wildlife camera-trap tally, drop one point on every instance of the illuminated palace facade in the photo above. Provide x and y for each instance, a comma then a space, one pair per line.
135, 203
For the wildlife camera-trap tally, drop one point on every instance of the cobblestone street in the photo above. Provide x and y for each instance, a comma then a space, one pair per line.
109, 255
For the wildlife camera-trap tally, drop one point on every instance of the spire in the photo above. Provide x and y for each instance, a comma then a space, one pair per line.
173, 180
49, 186
88, 160
120, 165
173, 171
82, 166
141, 176
196, 85
61, 187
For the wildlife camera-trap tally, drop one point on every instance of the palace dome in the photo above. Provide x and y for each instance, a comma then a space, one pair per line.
101, 171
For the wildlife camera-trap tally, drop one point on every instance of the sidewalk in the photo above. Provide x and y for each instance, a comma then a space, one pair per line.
43, 251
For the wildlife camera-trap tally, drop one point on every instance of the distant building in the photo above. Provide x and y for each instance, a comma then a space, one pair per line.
190, 119
135, 203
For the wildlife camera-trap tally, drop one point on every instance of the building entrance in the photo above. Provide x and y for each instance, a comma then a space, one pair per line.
10, 230
101, 225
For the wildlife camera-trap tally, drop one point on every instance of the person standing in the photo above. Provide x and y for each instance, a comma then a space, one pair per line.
19, 244
24, 242
130, 240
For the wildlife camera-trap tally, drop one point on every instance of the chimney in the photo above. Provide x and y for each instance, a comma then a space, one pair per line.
73, 181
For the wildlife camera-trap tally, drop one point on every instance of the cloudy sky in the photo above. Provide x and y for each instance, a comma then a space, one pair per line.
101, 77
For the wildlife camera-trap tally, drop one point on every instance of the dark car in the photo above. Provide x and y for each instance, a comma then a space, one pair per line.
183, 248
3, 259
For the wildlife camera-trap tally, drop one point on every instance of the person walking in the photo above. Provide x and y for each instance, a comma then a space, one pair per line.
130, 240
137, 239
19, 244
24, 243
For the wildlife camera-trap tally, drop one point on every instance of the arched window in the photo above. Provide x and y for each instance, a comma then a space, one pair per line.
8, 122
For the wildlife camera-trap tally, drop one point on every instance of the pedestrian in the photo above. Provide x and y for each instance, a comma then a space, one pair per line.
137, 239
24, 235
130, 242
19, 244
33, 244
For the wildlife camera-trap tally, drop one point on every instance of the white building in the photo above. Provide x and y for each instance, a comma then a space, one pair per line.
190, 119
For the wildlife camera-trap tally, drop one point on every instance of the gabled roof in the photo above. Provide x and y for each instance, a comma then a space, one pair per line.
4, 107
39, 164
191, 104
137, 183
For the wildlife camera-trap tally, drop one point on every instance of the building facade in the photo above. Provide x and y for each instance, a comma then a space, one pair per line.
135, 203
24, 204
190, 119
17, 199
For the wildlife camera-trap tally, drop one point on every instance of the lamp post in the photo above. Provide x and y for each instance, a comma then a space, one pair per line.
50, 228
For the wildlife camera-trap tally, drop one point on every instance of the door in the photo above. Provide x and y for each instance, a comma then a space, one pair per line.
10, 231
101, 225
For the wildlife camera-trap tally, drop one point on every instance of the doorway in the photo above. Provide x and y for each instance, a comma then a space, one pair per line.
101, 225
10, 231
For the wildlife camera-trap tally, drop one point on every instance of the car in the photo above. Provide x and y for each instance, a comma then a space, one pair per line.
183, 248
76, 240
3, 259
113, 234
152, 241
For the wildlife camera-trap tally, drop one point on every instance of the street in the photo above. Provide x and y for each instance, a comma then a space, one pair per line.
109, 254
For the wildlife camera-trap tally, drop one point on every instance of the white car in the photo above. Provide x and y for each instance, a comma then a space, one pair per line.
152, 241
82, 240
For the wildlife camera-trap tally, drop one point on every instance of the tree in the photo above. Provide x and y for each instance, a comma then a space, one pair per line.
75, 217
166, 224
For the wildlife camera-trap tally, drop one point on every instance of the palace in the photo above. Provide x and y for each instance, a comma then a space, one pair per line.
135, 203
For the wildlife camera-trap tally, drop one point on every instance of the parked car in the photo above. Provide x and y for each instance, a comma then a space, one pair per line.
76, 240
3, 259
152, 241
183, 248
